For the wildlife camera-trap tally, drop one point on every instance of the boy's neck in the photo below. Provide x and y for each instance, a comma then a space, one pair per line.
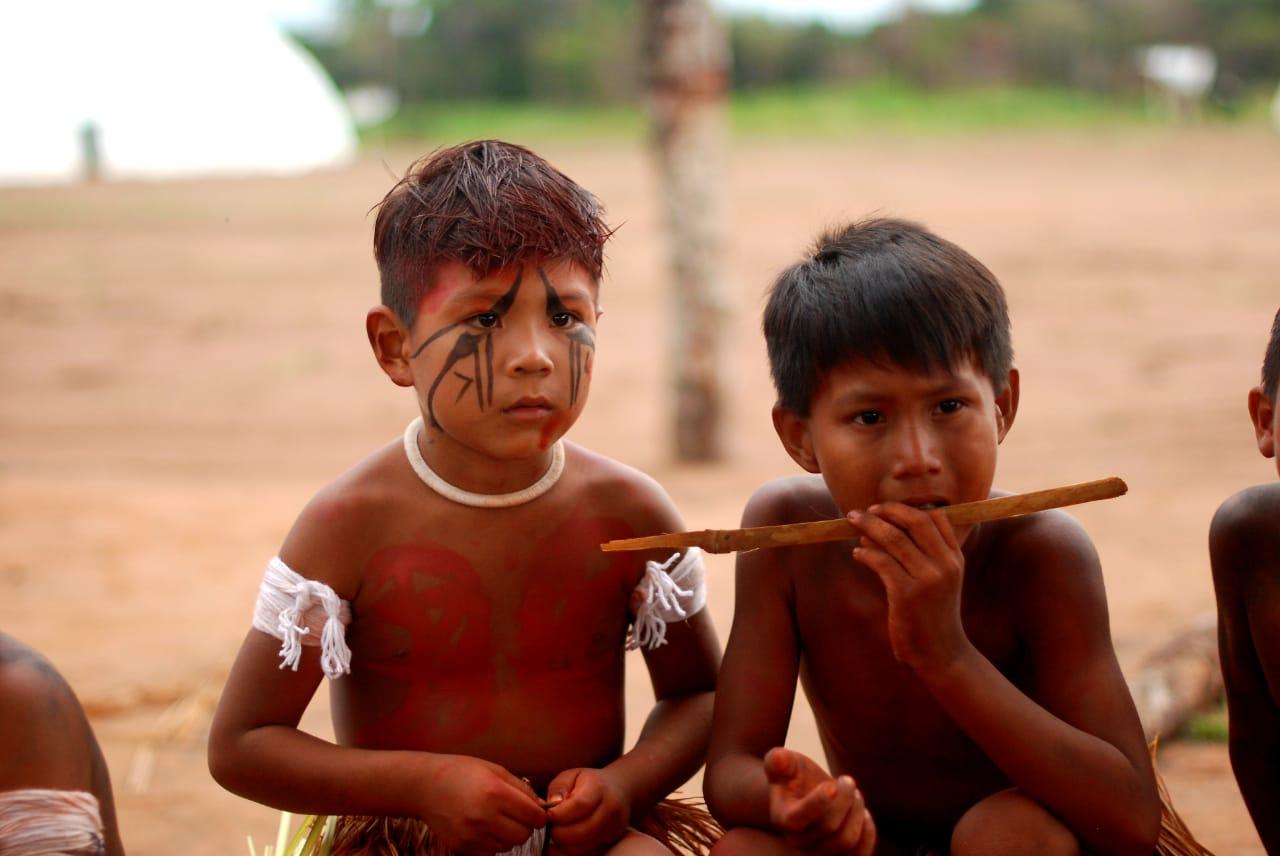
508, 483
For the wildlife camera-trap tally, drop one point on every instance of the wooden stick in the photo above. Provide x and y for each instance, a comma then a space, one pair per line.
961, 514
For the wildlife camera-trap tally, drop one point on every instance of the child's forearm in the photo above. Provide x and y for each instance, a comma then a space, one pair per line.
1089, 783
671, 747
293, 771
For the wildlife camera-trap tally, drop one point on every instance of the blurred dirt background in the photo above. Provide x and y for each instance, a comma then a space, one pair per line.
184, 364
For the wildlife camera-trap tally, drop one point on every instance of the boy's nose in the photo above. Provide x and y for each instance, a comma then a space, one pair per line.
915, 452
529, 353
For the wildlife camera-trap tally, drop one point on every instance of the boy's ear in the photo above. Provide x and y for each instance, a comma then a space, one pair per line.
389, 340
793, 431
1262, 412
1007, 405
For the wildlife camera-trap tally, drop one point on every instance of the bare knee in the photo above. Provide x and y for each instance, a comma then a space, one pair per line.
1010, 823
745, 841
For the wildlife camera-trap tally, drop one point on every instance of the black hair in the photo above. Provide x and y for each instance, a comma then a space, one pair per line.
883, 290
1271, 362
486, 204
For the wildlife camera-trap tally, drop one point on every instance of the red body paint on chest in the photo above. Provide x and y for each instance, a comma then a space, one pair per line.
431, 597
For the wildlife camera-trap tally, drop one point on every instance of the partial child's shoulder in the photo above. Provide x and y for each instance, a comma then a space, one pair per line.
611, 488
336, 529
1250, 518
40, 721
791, 499
27, 678
1244, 537
1046, 551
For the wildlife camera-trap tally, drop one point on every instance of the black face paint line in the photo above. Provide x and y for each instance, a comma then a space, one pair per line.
468, 345
581, 339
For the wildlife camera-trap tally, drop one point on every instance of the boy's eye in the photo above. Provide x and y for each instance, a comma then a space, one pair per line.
867, 417
488, 320
951, 405
562, 319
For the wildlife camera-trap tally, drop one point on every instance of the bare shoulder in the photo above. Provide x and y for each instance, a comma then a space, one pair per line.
335, 531
1048, 553
791, 499
1247, 521
42, 728
27, 680
612, 488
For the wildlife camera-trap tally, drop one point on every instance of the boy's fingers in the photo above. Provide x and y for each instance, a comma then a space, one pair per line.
809, 810
888, 537
523, 808
922, 528
826, 831
562, 785
867, 843
580, 803
945, 529
780, 765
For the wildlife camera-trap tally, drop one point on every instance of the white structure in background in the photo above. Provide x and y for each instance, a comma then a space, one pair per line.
160, 89
1183, 73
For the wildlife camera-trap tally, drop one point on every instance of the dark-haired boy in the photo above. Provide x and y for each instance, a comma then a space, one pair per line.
486, 630
963, 680
1244, 547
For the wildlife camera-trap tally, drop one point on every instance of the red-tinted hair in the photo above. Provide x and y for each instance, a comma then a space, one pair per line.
485, 204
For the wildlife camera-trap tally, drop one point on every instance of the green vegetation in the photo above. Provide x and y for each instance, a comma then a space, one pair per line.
832, 112
887, 106
1209, 726
588, 52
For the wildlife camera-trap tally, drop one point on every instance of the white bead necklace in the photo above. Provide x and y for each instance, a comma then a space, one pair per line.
479, 500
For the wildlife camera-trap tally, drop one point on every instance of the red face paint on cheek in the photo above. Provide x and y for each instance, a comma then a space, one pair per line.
551, 428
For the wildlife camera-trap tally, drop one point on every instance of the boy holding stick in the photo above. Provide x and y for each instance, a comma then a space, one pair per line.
472, 629
963, 678
1244, 548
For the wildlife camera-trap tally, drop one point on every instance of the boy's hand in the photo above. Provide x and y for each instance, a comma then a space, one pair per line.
917, 557
473, 805
814, 812
589, 811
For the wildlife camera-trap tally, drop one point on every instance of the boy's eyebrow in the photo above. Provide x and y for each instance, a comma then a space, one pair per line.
873, 394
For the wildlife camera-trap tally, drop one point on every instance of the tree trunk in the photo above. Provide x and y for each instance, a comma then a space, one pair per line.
686, 61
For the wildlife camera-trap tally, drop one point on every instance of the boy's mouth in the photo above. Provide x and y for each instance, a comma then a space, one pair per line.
529, 407
925, 503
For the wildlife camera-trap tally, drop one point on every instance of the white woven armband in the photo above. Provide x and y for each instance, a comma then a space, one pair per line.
673, 591
37, 821
298, 612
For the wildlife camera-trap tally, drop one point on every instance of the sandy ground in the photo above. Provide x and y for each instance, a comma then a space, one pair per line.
184, 364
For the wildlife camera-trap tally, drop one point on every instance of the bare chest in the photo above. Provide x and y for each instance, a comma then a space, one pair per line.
872, 710
532, 596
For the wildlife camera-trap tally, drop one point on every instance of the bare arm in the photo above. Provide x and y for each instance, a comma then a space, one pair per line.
1071, 740
592, 808
257, 751
673, 743
757, 685
1243, 546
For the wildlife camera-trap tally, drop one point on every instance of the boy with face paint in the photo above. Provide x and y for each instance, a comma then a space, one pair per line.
453, 581
1244, 548
963, 679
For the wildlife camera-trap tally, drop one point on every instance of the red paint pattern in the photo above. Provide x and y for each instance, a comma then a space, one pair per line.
551, 428
436, 597
573, 625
